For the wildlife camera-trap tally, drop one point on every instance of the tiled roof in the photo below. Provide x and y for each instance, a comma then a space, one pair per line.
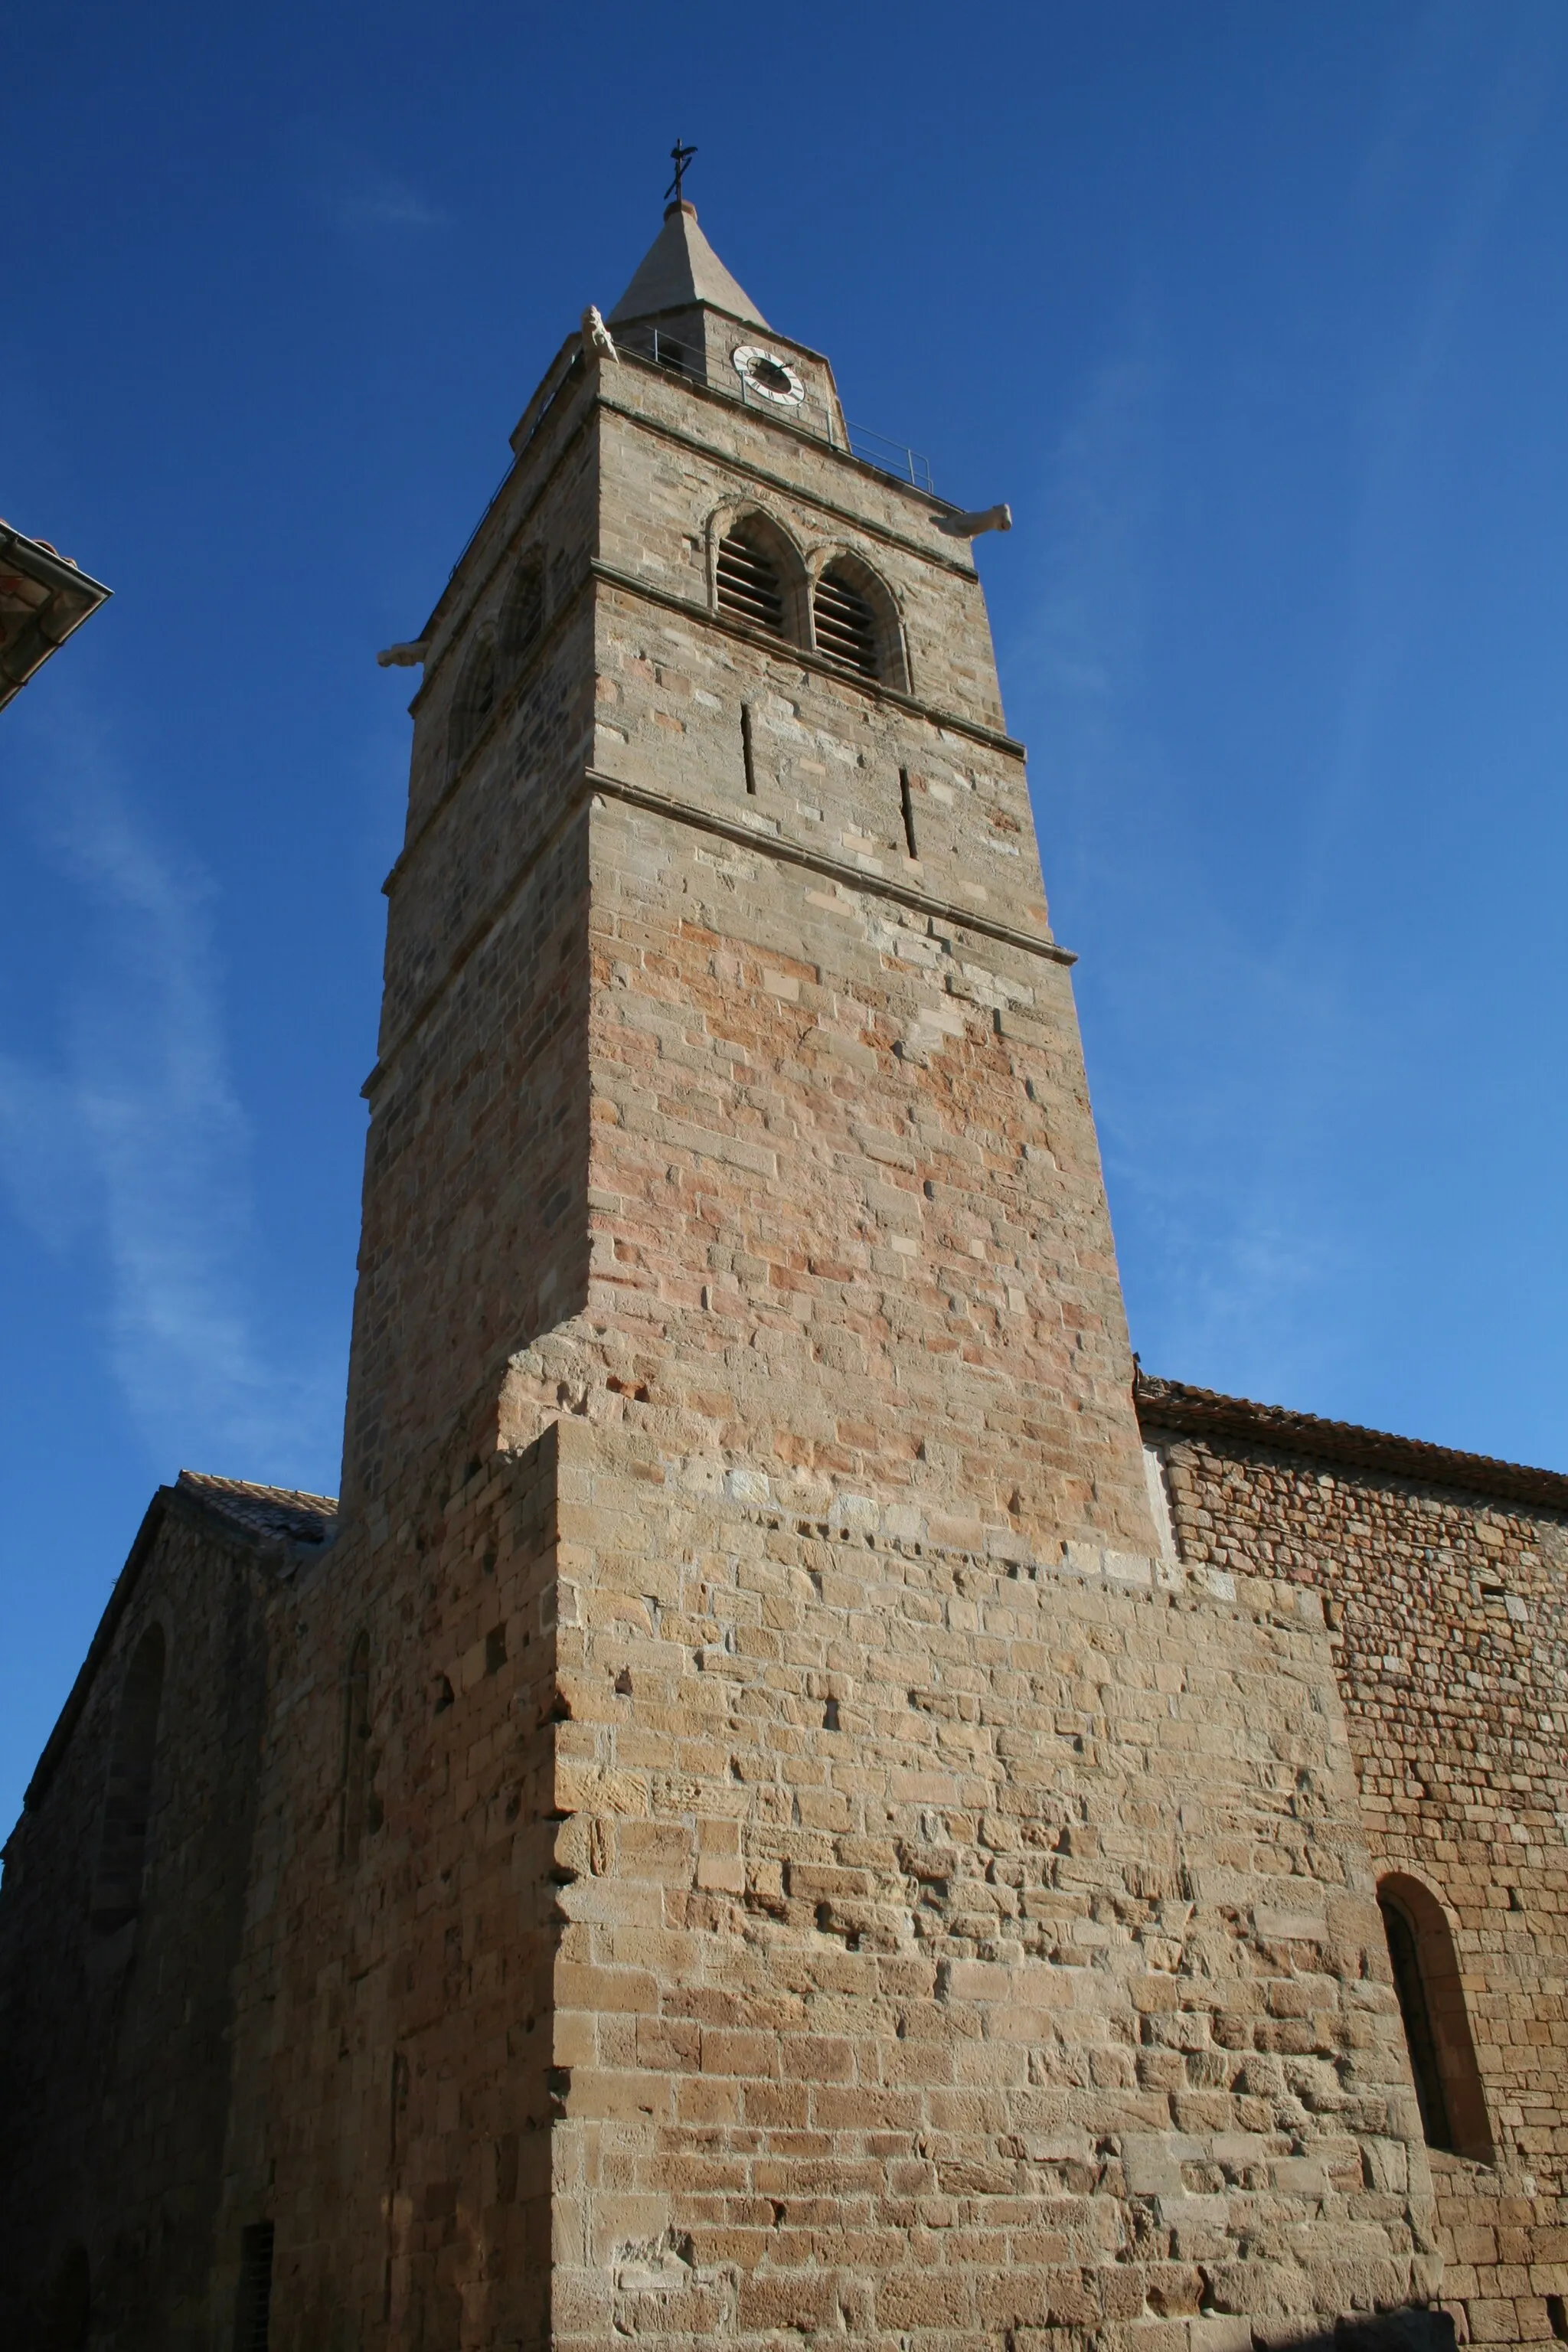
268, 1512
680, 268
1202, 1413
265, 1515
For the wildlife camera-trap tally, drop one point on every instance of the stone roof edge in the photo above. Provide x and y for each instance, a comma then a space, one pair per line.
186, 1504
1202, 1413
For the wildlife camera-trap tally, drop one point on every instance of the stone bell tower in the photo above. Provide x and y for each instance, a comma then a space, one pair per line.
759, 1842
726, 1055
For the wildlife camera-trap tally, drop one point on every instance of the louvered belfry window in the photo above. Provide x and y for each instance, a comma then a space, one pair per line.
845, 624
750, 588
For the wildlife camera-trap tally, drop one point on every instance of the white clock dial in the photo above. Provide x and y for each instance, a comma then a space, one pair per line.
767, 375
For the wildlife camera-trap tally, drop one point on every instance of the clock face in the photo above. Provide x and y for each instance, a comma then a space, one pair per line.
764, 373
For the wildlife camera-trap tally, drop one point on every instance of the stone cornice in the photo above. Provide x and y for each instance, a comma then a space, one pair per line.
801, 656
937, 557
703, 819
713, 822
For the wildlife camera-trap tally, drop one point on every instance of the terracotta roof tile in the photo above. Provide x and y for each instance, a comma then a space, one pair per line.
1202, 1413
269, 1512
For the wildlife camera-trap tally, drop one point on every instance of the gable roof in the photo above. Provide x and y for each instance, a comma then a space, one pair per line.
679, 268
263, 1519
1202, 1413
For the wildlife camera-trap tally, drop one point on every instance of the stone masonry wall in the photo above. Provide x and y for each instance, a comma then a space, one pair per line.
961, 1950
472, 1232
474, 1228
116, 2082
1447, 1615
671, 458
845, 1203
392, 2116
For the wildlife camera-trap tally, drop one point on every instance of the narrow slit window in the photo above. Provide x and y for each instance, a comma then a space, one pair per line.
750, 588
524, 615
747, 753
1417, 2017
908, 808
253, 2308
845, 624
128, 1800
356, 1741
1449, 2090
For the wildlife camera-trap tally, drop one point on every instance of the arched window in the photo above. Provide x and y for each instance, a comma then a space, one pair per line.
356, 1744
476, 698
1437, 2031
523, 617
750, 580
854, 621
122, 1853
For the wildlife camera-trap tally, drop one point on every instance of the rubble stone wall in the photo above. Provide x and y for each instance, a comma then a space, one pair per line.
115, 2040
1450, 1638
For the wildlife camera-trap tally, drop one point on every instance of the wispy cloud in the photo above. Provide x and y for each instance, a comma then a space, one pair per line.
376, 202
369, 206
1237, 1067
130, 1144
1222, 1068
1406, 451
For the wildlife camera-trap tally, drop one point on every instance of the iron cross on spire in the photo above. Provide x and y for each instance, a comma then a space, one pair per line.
680, 157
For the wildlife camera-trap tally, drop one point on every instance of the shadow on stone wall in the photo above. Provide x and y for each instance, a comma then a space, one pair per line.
1383, 2331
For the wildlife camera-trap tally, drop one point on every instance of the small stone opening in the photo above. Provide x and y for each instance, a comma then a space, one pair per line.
356, 1746
1448, 2088
906, 802
253, 2304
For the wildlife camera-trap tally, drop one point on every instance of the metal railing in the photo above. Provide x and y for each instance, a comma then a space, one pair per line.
808, 415
889, 457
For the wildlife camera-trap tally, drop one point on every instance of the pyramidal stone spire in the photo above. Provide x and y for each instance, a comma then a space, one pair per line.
679, 268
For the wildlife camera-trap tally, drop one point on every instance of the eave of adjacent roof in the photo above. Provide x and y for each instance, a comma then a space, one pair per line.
1171, 1405
278, 1524
69, 597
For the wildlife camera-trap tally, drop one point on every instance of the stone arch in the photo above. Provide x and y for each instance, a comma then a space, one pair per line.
123, 1847
523, 615
353, 1775
745, 546
855, 618
478, 685
1448, 2087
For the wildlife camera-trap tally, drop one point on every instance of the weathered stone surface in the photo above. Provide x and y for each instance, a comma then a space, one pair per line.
1446, 1620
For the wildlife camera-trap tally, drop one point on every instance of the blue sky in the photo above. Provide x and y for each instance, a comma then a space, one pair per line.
1256, 315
